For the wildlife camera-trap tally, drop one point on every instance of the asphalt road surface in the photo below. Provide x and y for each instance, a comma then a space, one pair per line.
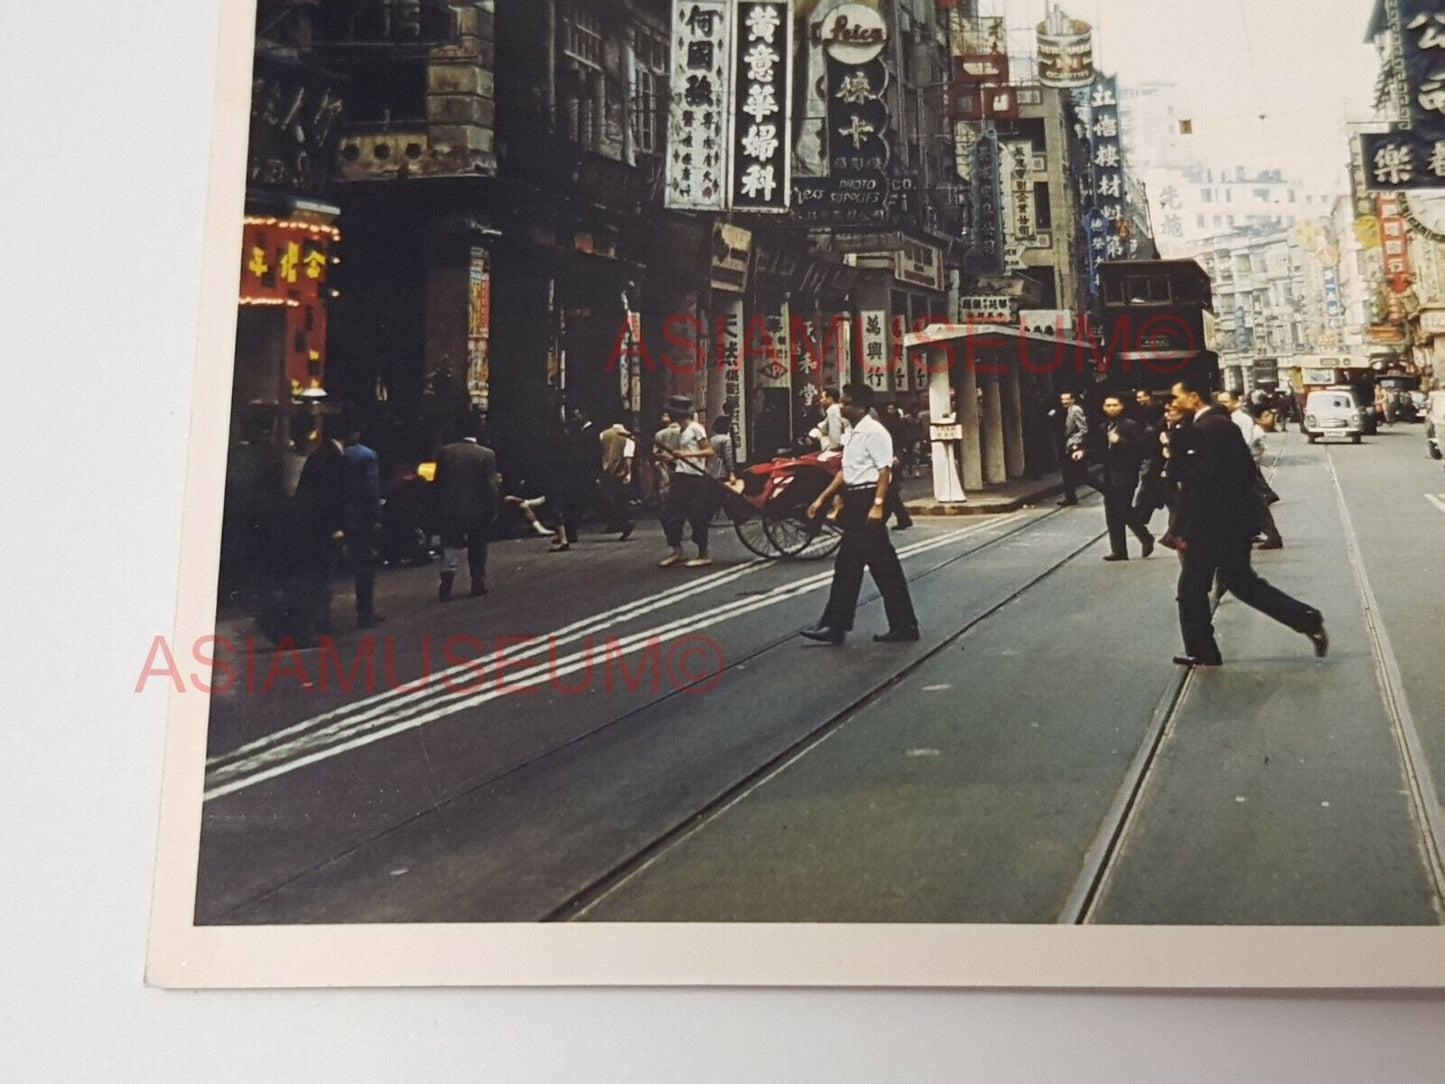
659, 745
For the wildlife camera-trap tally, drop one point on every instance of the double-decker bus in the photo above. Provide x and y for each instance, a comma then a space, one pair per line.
1158, 318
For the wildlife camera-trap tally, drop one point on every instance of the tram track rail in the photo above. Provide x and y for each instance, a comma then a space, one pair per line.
576, 901
579, 903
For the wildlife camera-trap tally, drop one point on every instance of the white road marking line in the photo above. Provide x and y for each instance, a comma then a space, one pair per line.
1438, 502
318, 745
365, 707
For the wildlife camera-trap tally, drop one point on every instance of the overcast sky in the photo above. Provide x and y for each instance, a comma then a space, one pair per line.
1302, 63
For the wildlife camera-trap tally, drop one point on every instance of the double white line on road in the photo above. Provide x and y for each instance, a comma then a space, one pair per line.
1438, 501
395, 711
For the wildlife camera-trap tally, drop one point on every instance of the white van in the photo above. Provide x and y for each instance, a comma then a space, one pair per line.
1334, 412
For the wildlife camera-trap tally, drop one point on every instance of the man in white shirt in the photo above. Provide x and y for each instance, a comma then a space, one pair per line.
864, 482
689, 496
835, 427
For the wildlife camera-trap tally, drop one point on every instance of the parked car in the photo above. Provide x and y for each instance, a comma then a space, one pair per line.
1435, 424
1334, 412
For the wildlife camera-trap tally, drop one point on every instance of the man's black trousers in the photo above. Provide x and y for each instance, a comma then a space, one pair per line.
1120, 516
865, 543
1229, 559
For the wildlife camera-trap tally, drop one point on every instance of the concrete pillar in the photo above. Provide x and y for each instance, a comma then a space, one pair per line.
947, 478
1013, 425
968, 414
991, 429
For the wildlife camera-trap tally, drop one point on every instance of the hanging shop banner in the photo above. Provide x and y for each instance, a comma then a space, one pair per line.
986, 309
857, 190
697, 118
1401, 160
987, 204
1020, 220
769, 351
977, 103
1334, 301
479, 326
729, 317
897, 356
1097, 231
1065, 51
762, 107
284, 264
873, 344
1395, 238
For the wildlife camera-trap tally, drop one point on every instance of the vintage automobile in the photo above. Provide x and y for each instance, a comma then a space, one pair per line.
1334, 412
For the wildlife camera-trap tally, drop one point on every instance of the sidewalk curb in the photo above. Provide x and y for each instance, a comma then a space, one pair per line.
984, 506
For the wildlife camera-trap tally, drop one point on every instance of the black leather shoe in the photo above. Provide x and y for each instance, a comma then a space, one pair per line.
370, 621
1190, 660
444, 589
1148, 547
822, 634
626, 533
897, 636
478, 590
1116, 557
903, 526
1068, 503
1321, 639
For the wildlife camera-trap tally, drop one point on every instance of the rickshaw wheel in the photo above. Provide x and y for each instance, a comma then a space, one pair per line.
804, 539
752, 532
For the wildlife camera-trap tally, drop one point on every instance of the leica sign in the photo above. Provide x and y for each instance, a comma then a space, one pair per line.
852, 33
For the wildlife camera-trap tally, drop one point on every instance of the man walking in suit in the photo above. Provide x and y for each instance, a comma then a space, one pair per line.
466, 504
864, 482
1074, 434
1218, 516
318, 521
1120, 456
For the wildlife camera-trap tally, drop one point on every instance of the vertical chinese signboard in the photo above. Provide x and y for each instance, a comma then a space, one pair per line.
760, 174
697, 119
1396, 243
479, 327
986, 200
729, 360
873, 344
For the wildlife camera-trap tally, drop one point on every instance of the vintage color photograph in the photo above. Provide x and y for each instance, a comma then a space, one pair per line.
588, 353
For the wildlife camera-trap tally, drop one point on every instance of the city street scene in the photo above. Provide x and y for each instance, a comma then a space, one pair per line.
891, 461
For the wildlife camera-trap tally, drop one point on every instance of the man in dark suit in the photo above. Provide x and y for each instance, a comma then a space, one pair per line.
466, 503
318, 520
1216, 521
1120, 453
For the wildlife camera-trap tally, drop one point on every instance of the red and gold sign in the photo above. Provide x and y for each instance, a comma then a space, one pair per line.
285, 264
1395, 239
